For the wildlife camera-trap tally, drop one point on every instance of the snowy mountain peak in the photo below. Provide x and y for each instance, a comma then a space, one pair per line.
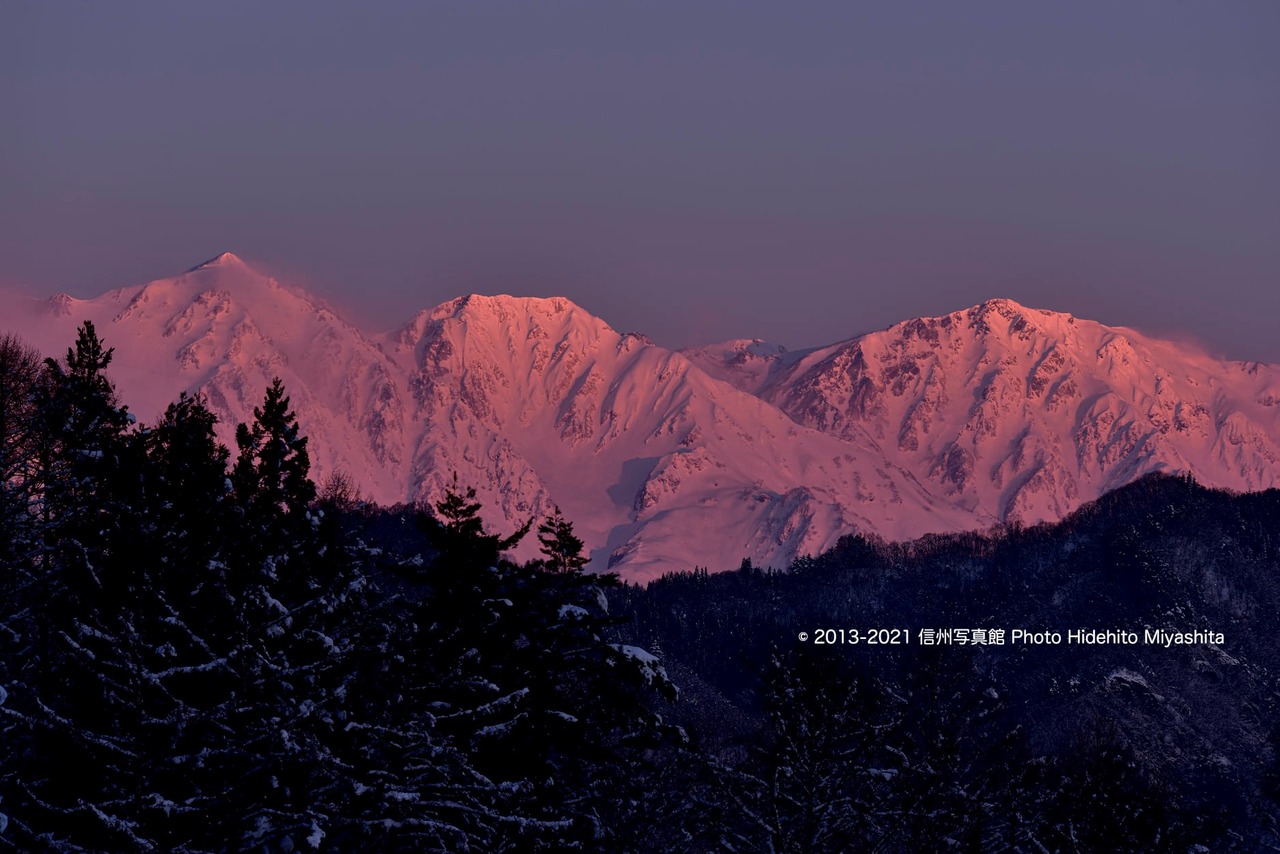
506, 309
60, 304
502, 327
1004, 305
226, 259
991, 319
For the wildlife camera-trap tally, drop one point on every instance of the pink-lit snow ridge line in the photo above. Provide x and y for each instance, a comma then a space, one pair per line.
667, 459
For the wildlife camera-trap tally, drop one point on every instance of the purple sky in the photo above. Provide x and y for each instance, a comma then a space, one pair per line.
694, 171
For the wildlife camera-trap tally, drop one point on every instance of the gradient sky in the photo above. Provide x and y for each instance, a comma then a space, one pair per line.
795, 171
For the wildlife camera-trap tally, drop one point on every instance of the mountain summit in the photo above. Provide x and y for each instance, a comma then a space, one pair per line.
665, 460
226, 259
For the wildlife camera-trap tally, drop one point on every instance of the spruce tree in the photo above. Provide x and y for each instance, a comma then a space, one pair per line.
85, 426
77, 686
562, 549
295, 607
19, 441
465, 546
525, 681
272, 468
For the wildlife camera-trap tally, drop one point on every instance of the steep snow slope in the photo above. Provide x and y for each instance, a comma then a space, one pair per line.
667, 460
225, 329
1023, 414
537, 402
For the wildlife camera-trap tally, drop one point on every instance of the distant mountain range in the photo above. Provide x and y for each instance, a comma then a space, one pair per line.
669, 459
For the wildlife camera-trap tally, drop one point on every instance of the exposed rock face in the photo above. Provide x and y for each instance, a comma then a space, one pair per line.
1020, 414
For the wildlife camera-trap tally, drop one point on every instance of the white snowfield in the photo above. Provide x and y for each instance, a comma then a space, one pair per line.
666, 460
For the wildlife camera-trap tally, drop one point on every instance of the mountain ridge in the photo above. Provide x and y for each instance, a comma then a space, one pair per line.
665, 459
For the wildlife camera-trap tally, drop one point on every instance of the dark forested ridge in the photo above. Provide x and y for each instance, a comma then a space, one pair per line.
200, 650
982, 746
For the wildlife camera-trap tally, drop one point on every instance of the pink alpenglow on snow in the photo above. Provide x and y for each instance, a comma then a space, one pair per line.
669, 459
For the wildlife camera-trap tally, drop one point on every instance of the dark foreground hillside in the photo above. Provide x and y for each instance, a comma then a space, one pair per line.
988, 746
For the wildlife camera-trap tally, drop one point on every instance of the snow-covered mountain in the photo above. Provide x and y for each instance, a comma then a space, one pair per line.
225, 329
665, 460
1021, 414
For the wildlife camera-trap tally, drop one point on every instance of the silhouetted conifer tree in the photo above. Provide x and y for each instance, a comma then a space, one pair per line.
77, 685
272, 466
20, 435
562, 550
